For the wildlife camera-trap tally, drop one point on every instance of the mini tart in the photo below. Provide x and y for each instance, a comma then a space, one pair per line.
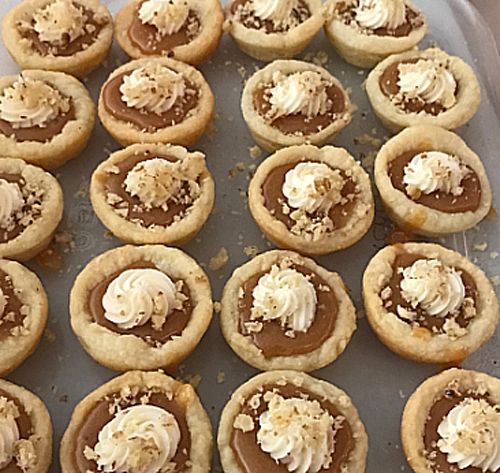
23, 314
193, 38
351, 209
143, 307
182, 123
140, 412
46, 118
398, 110
270, 37
266, 340
418, 208
32, 207
277, 126
26, 436
150, 193
71, 36
247, 420
365, 46
429, 428
424, 316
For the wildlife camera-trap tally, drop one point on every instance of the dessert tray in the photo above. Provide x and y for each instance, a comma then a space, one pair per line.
378, 381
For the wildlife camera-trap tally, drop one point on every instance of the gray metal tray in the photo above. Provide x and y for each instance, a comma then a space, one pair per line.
61, 373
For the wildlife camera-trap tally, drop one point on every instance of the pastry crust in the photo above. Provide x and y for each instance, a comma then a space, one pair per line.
196, 51
128, 352
72, 139
270, 137
345, 324
41, 438
230, 464
395, 119
197, 419
270, 46
417, 343
421, 401
277, 231
79, 64
177, 233
36, 236
184, 133
364, 50
15, 348
418, 218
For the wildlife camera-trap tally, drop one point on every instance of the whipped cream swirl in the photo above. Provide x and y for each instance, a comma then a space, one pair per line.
59, 22
313, 187
438, 289
29, 103
11, 202
139, 439
154, 88
302, 92
470, 435
277, 11
9, 431
167, 16
374, 14
137, 296
287, 296
297, 433
434, 171
428, 80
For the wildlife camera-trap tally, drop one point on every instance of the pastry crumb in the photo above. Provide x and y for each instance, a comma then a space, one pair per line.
49, 335
220, 260
255, 152
480, 246
217, 307
194, 380
494, 255
251, 251
367, 139
495, 280
221, 377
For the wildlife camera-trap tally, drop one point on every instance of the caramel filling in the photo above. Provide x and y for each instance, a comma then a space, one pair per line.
300, 123
174, 325
423, 319
272, 339
468, 201
252, 459
272, 190
151, 42
103, 412
112, 99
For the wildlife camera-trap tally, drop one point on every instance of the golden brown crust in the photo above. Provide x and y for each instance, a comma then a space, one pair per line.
418, 218
127, 352
420, 344
277, 231
79, 64
177, 233
199, 425
184, 133
196, 51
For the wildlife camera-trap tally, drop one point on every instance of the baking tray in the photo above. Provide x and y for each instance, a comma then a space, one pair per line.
379, 382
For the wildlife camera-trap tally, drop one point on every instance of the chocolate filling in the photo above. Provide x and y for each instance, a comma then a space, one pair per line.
272, 339
23, 424
114, 184
150, 41
434, 324
388, 83
299, 123
100, 415
468, 201
437, 413
252, 459
38, 133
245, 15
272, 190
412, 21
11, 316
174, 325
67, 48
112, 100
